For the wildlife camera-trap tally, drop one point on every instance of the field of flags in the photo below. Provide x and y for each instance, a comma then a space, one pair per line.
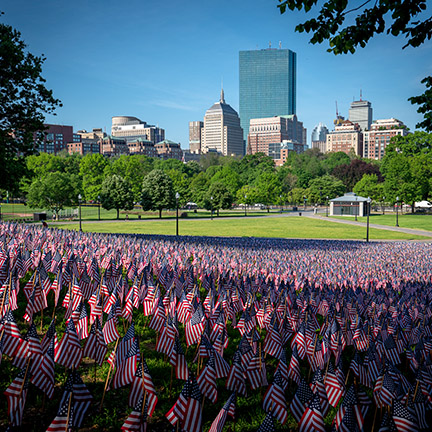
134, 333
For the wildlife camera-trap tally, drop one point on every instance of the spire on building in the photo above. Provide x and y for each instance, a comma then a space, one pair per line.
222, 99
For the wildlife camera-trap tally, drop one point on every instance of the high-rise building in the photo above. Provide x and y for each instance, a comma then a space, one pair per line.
267, 84
361, 112
222, 132
132, 128
347, 137
378, 137
319, 137
265, 133
195, 136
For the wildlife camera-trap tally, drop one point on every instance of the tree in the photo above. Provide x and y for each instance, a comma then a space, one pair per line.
55, 191
116, 194
133, 169
24, 100
407, 167
269, 188
369, 186
333, 159
92, 169
157, 191
351, 173
198, 188
396, 17
222, 199
325, 186
228, 177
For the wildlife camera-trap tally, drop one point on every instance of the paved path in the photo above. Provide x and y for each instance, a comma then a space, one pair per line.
363, 224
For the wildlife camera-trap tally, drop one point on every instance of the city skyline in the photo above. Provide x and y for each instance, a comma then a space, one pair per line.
166, 66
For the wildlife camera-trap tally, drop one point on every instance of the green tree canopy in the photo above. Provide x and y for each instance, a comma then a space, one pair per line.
218, 197
54, 191
322, 187
369, 186
92, 169
116, 194
157, 191
24, 101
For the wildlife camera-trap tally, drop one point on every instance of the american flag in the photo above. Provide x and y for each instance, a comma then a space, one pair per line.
110, 331
178, 360
63, 420
207, 380
402, 418
195, 326
193, 416
11, 335
267, 425
302, 396
137, 419
275, 401
294, 366
227, 409
236, 380
178, 411
332, 386
312, 419
126, 369
95, 347
69, 352
16, 395
143, 383
44, 377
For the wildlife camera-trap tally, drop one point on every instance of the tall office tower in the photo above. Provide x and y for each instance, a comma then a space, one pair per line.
361, 112
132, 128
267, 84
379, 136
195, 134
222, 132
318, 138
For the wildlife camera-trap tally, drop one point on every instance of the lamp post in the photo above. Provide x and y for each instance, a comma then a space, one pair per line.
280, 198
79, 206
367, 224
356, 210
177, 196
320, 189
211, 208
304, 202
397, 214
245, 203
383, 209
326, 206
99, 205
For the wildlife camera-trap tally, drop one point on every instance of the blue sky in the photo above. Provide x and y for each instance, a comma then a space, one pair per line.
163, 62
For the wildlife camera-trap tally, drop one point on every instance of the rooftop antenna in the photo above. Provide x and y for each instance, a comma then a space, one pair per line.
280, 45
269, 44
337, 114
360, 95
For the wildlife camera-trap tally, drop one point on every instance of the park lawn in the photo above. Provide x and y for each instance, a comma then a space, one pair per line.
283, 227
412, 221
13, 211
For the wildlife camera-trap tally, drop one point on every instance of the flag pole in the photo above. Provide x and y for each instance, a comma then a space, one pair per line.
68, 414
109, 373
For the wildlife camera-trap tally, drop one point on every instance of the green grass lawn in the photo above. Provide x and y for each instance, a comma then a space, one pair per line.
283, 227
89, 212
413, 221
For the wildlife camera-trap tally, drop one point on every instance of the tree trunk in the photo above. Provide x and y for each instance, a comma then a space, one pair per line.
217, 212
118, 213
160, 213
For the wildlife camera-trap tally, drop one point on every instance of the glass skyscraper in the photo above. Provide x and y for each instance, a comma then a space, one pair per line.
267, 84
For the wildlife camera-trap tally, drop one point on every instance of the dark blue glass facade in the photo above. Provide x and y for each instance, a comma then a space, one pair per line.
267, 84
